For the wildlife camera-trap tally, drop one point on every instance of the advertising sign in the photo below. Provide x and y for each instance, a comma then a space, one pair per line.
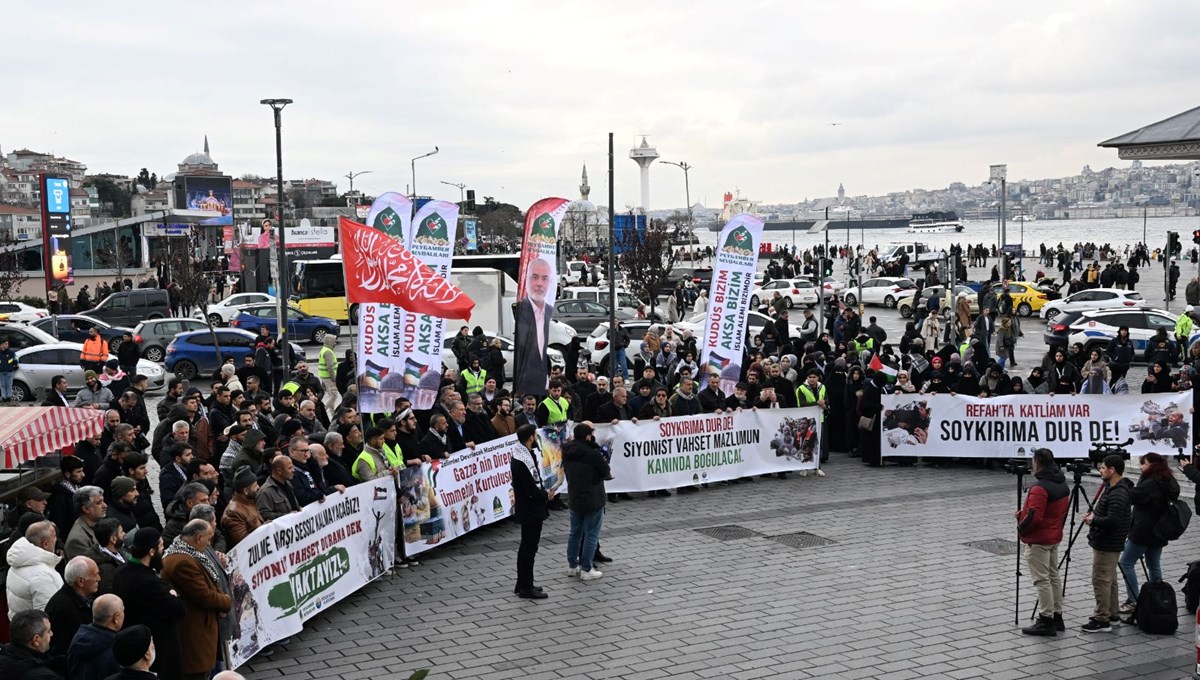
56, 231
469, 226
307, 242
207, 193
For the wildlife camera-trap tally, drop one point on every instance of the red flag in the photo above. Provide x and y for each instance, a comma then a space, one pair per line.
380, 270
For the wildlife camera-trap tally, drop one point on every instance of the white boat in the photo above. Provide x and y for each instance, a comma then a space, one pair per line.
935, 223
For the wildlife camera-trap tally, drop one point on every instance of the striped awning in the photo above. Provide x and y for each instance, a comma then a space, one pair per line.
29, 432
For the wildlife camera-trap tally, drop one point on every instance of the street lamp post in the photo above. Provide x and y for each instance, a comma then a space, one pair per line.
687, 191
414, 170
462, 201
281, 278
351, 175
1000, 173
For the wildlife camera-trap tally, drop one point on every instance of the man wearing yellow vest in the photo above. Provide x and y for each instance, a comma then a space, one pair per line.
327, 366
94, 353
553, 409
379, 459
812, 393
472, 379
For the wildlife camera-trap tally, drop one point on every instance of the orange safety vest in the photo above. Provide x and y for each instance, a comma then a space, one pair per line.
94, 349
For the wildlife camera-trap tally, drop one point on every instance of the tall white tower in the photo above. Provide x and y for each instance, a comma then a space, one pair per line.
644, 154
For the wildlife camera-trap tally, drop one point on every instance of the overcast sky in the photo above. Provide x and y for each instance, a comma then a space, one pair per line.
518, 95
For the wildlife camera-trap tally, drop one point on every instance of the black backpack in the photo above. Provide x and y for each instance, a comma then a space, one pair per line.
1157, 611
1191, 587
1174, 521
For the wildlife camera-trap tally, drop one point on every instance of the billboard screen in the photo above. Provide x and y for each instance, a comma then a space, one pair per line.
56, 231
207, 193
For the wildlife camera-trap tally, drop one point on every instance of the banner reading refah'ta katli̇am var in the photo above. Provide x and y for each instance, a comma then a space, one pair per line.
1006, 427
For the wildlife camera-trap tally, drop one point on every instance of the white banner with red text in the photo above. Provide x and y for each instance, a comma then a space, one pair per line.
288, 570
650, 455
946, 425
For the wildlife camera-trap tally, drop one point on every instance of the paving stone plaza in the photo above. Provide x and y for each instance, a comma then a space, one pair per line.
866, 573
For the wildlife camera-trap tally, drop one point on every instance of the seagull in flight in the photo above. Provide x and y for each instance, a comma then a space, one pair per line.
834, 124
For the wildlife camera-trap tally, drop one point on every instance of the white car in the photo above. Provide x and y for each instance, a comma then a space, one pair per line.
1097, 328
881, 290
625, 300
1093, 299
40, 363
597, 342
832, 287
19, 311
794, 292
221, 313
754, 323
506, 349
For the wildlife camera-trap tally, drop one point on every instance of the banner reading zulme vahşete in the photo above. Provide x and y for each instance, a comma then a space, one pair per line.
292, 568
723, 336
958, 426
380, 360
430, 240
535, 296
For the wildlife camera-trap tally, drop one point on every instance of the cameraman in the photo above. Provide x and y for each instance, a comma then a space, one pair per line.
1040, 527
1109, 520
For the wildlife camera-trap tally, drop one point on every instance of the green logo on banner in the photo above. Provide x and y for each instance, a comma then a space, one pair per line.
388, 222
309, 580
739, 242
543, 229
433, 231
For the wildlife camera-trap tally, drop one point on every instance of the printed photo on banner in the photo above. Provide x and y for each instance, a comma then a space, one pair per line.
796, 438
906, 425
535, 296
1163, 423
431, 241
550, 442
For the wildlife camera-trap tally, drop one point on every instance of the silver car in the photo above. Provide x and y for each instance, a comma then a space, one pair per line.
506, 350
40, 363
154, 336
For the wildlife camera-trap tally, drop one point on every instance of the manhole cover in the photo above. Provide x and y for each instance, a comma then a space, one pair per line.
995, 546
801, 539
728, 532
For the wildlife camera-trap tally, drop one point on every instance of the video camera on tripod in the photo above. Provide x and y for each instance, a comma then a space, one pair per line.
1102, 450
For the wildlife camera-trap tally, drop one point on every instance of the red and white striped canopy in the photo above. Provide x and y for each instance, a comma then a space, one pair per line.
29, 432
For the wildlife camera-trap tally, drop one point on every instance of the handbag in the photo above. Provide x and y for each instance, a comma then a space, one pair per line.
866, 424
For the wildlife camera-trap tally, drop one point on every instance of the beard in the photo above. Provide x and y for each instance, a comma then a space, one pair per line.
156, 563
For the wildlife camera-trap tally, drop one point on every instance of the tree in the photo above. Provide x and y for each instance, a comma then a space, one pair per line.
500, 219
191, 284
115, 253
12, 270
113, 197
646, 260
147, 179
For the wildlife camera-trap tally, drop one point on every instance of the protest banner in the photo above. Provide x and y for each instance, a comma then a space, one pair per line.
536, 289
430, 240
379, 341
946, 425
723, 336
663, 454
290, 569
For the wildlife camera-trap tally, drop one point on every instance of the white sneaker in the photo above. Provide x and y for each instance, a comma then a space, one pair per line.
804, 473
572, 571
820, 472
590, 575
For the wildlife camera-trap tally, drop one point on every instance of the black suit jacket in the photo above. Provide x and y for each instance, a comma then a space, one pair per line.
531, 364
148, 601
530, 499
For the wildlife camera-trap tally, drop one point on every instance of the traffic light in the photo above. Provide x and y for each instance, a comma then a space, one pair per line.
470, 207
1173, 245
827, 263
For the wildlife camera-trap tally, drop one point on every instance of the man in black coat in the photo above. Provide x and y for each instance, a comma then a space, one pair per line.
149, 601
586, 471
26, 655
1109, 521
529, 509
71, 606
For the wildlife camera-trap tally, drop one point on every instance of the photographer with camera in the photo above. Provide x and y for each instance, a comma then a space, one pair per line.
1154, 491
1040, 527
1109, 521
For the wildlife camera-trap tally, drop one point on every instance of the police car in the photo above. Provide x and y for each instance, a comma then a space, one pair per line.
1097, 328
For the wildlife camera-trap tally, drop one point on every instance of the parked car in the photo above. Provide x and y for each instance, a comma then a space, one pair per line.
506, 349
1027, 298
1097, 328
221, 313
832, 287
128, 307
907, 305
19, 311
191, 354
154, 336
299, 324
754, 324
40, 363
794, 292
1091, 299
21, 335
597, 342
625, 300
584, 316
74, 328
881, 290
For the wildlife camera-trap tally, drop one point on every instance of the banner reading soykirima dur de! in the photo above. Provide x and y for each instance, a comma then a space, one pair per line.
723, 336
1008, 427
288, 570
680, 451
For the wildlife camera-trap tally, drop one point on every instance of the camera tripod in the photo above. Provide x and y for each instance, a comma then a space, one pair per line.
1077, 468
1020, 471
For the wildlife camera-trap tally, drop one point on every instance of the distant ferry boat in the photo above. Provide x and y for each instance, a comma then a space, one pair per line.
935, 223
839, 218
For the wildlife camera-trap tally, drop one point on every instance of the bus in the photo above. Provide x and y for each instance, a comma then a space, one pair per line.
319, 286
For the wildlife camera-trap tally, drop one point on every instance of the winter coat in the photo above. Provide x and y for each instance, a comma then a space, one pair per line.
81, 540
67, 611
1149, 499
148, 601
1111, 518
108, 566
276, 499
205, 602
32, 580
241, 517
528, 495
22, 663
90, 656
1045, 509
586, 471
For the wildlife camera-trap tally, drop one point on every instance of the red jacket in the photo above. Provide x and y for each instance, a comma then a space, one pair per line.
1041, 519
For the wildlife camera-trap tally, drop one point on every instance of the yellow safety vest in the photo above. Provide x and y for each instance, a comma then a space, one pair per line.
557, 411
365, 455
474, 382
327, 364
393, 454
291, 387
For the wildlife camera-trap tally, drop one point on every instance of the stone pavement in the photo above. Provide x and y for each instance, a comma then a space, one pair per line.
718, 585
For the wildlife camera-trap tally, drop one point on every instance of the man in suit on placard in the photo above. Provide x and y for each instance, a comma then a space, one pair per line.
532, 316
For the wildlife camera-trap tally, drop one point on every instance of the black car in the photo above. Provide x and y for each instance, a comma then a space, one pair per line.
74, 328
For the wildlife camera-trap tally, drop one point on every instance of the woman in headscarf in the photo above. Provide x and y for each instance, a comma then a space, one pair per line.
904, 384
1158, 379
835, 388
1037, 383
1063, 376
1096, 361
968, 385
1006, 341
962, 314
855, 383
870, 406
910, 334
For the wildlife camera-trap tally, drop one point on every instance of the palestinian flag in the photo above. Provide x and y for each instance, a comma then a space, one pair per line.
877, 365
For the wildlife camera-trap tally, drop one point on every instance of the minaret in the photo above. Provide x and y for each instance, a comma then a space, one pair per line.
206, 145
584, 189
644, 155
